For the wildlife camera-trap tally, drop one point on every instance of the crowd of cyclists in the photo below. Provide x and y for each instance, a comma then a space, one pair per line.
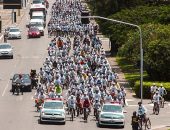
78, 66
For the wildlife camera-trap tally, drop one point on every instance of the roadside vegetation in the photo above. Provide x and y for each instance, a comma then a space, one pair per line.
154, 19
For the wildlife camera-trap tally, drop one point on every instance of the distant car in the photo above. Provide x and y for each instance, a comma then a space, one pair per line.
53, 111
36, 23
34, 32
26, 81
112, 115
14, 32
6, 50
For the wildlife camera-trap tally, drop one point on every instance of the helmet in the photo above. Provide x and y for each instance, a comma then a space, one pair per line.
161, 85
134, 113
20, 75
139, 103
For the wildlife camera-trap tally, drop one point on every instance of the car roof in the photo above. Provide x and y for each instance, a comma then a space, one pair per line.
37, 13
21, 74
50, 100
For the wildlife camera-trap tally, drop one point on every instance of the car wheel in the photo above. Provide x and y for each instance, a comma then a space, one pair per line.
28, 37
64, 123
12, 57
30, 89
43, 34
98, 124
40, 121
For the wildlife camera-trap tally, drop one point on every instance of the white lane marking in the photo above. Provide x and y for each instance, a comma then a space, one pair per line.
158, 127
5, 88
126, 103
9, 80
1, 37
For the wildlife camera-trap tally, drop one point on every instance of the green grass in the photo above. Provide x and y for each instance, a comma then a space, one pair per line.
132, 73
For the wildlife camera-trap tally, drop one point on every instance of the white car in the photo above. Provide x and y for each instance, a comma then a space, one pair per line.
6, 50
53, 111
112, 115
14, 32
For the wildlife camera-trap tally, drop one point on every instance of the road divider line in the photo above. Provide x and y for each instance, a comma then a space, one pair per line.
3, 93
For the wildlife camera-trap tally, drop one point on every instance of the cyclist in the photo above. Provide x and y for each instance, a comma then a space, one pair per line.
96, 108
86, 105
52, 94
19, 81
153, 90
162, 91
142, 111
156, 101
58, 89
108, 98
72, 103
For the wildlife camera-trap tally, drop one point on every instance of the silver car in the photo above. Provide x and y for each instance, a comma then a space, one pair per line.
6, 50
14, 32
53, 111
112, 115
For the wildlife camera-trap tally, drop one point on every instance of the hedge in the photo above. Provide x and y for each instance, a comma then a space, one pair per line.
146, 89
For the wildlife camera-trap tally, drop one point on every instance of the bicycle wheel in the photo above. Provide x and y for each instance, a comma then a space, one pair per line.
72, 114
163, 101
148, 124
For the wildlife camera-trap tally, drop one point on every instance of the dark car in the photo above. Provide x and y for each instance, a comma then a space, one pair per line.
34, 32
26, 82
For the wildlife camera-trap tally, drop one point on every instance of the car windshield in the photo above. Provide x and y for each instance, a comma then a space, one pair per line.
53, 105
112, 108
14, 30
37, 17
37, 2
34, 29
36, 24
5, 46
24, 76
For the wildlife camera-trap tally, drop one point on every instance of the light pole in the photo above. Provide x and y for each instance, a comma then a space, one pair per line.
141, 45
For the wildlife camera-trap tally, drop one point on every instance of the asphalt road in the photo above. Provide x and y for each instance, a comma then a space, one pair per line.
19, 113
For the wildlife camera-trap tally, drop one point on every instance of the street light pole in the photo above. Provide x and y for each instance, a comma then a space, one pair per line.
141, 45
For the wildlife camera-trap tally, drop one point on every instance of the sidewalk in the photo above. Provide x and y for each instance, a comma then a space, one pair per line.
6, 17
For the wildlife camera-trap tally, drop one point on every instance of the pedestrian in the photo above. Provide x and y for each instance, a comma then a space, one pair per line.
134, 122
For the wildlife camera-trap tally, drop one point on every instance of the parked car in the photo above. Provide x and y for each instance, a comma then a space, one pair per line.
112, 115
6, 50
13, 32
34, 32
26, 81
53, 111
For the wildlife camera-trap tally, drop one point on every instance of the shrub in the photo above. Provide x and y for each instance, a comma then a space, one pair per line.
146, 89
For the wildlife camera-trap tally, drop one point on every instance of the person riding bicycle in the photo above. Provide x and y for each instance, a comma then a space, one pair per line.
162, 91
18, 81
86, 105
153, 89
156, 100
142, 111
108, 98
52, 94
96, 106
72, 103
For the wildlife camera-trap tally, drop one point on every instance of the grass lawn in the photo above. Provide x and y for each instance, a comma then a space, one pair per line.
131, 72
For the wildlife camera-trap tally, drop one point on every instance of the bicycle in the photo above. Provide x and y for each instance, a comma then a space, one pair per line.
144, 123
156, 108
162, 102
86, 113
72, 113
